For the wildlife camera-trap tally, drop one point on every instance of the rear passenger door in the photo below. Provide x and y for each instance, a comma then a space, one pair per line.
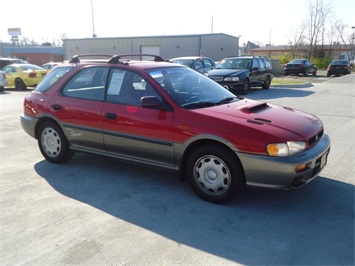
262, 71
254, 72
79, 106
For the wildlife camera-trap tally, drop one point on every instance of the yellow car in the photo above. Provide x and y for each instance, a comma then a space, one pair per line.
22, 76
50, 65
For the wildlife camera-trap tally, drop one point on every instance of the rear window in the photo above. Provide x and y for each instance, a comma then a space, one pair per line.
52, 78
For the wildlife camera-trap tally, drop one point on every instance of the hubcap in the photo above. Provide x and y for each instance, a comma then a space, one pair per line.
212, 175
51, 142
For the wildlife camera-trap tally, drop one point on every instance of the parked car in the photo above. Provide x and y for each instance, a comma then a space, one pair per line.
198, 63
22, 76
3, 81
239, 74
4, 61
48, 66
338, 67
300, 66
166, 115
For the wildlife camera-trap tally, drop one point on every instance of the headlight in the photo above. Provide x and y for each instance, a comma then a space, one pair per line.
231, 79
285, 149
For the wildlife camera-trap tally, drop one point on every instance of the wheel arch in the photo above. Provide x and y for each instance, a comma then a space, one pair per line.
44, 120
202, 142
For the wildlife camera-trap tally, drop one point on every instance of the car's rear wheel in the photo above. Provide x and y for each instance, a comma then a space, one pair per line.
20, 85
305, 73
267, 83
53, 144
215, 174
315, 73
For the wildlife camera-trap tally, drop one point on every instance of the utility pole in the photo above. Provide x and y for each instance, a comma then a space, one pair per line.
93, 23
212, 25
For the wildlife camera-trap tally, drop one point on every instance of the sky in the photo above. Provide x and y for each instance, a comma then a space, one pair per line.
258, 21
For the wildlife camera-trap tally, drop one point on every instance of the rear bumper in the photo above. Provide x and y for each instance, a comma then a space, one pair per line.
279, 172
28, 124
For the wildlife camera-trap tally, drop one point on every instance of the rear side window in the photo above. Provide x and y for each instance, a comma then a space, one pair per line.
52, 78
88, 84
261, 63
267, 63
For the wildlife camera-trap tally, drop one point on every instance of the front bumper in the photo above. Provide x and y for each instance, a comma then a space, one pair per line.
279, 172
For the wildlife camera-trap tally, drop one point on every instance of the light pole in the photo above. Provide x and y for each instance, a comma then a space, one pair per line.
352, 47
93, 22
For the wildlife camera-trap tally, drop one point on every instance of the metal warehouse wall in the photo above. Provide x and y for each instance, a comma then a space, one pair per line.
216, 46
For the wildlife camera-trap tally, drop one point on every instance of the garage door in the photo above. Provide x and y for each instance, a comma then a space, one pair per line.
155, 50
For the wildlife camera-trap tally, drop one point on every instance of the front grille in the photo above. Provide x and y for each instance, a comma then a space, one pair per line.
217, 78
313, 140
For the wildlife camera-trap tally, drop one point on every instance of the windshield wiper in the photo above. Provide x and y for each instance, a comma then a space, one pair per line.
198, 105
226, 100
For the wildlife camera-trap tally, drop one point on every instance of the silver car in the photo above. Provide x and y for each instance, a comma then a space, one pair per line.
3, 81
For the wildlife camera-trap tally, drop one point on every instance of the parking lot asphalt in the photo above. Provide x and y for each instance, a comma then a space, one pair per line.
99, 211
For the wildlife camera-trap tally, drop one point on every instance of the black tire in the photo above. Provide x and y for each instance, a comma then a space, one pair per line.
1, 89
266, 84
305, 73
315, 73
215, 174
20, 85
245, 87
53, 144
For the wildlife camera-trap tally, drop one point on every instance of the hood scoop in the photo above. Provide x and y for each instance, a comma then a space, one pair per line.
259, 121
254, 108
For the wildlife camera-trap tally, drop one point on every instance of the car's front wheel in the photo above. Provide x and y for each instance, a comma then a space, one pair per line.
245, 87
53, 144
215, 174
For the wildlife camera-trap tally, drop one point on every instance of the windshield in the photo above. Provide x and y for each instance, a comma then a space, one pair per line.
191, 89
52, 77
185, 62
234, 63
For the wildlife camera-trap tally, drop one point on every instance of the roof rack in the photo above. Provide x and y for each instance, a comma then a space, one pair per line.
115, 59
75, 58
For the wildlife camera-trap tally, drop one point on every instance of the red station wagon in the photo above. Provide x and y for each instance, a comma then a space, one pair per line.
166, 115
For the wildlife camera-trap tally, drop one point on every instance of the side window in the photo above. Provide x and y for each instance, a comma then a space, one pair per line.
261, 63
198, 64
88, 84
267, 63
208, 63
127, 87
255, 63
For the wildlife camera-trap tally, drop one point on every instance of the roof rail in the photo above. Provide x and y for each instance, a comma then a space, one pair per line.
75, 58
116, 58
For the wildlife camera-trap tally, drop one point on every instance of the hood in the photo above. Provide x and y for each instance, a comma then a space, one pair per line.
226, 72
278, 121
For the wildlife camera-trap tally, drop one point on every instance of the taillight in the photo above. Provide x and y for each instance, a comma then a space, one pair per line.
329, 67
302, 66
346, 67
32, 75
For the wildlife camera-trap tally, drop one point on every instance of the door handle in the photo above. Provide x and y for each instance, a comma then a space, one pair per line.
56, 107
110, 116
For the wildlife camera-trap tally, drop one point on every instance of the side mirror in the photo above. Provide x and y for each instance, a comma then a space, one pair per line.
150, 102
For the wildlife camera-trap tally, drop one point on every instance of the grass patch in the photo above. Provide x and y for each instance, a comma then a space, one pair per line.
286, 81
